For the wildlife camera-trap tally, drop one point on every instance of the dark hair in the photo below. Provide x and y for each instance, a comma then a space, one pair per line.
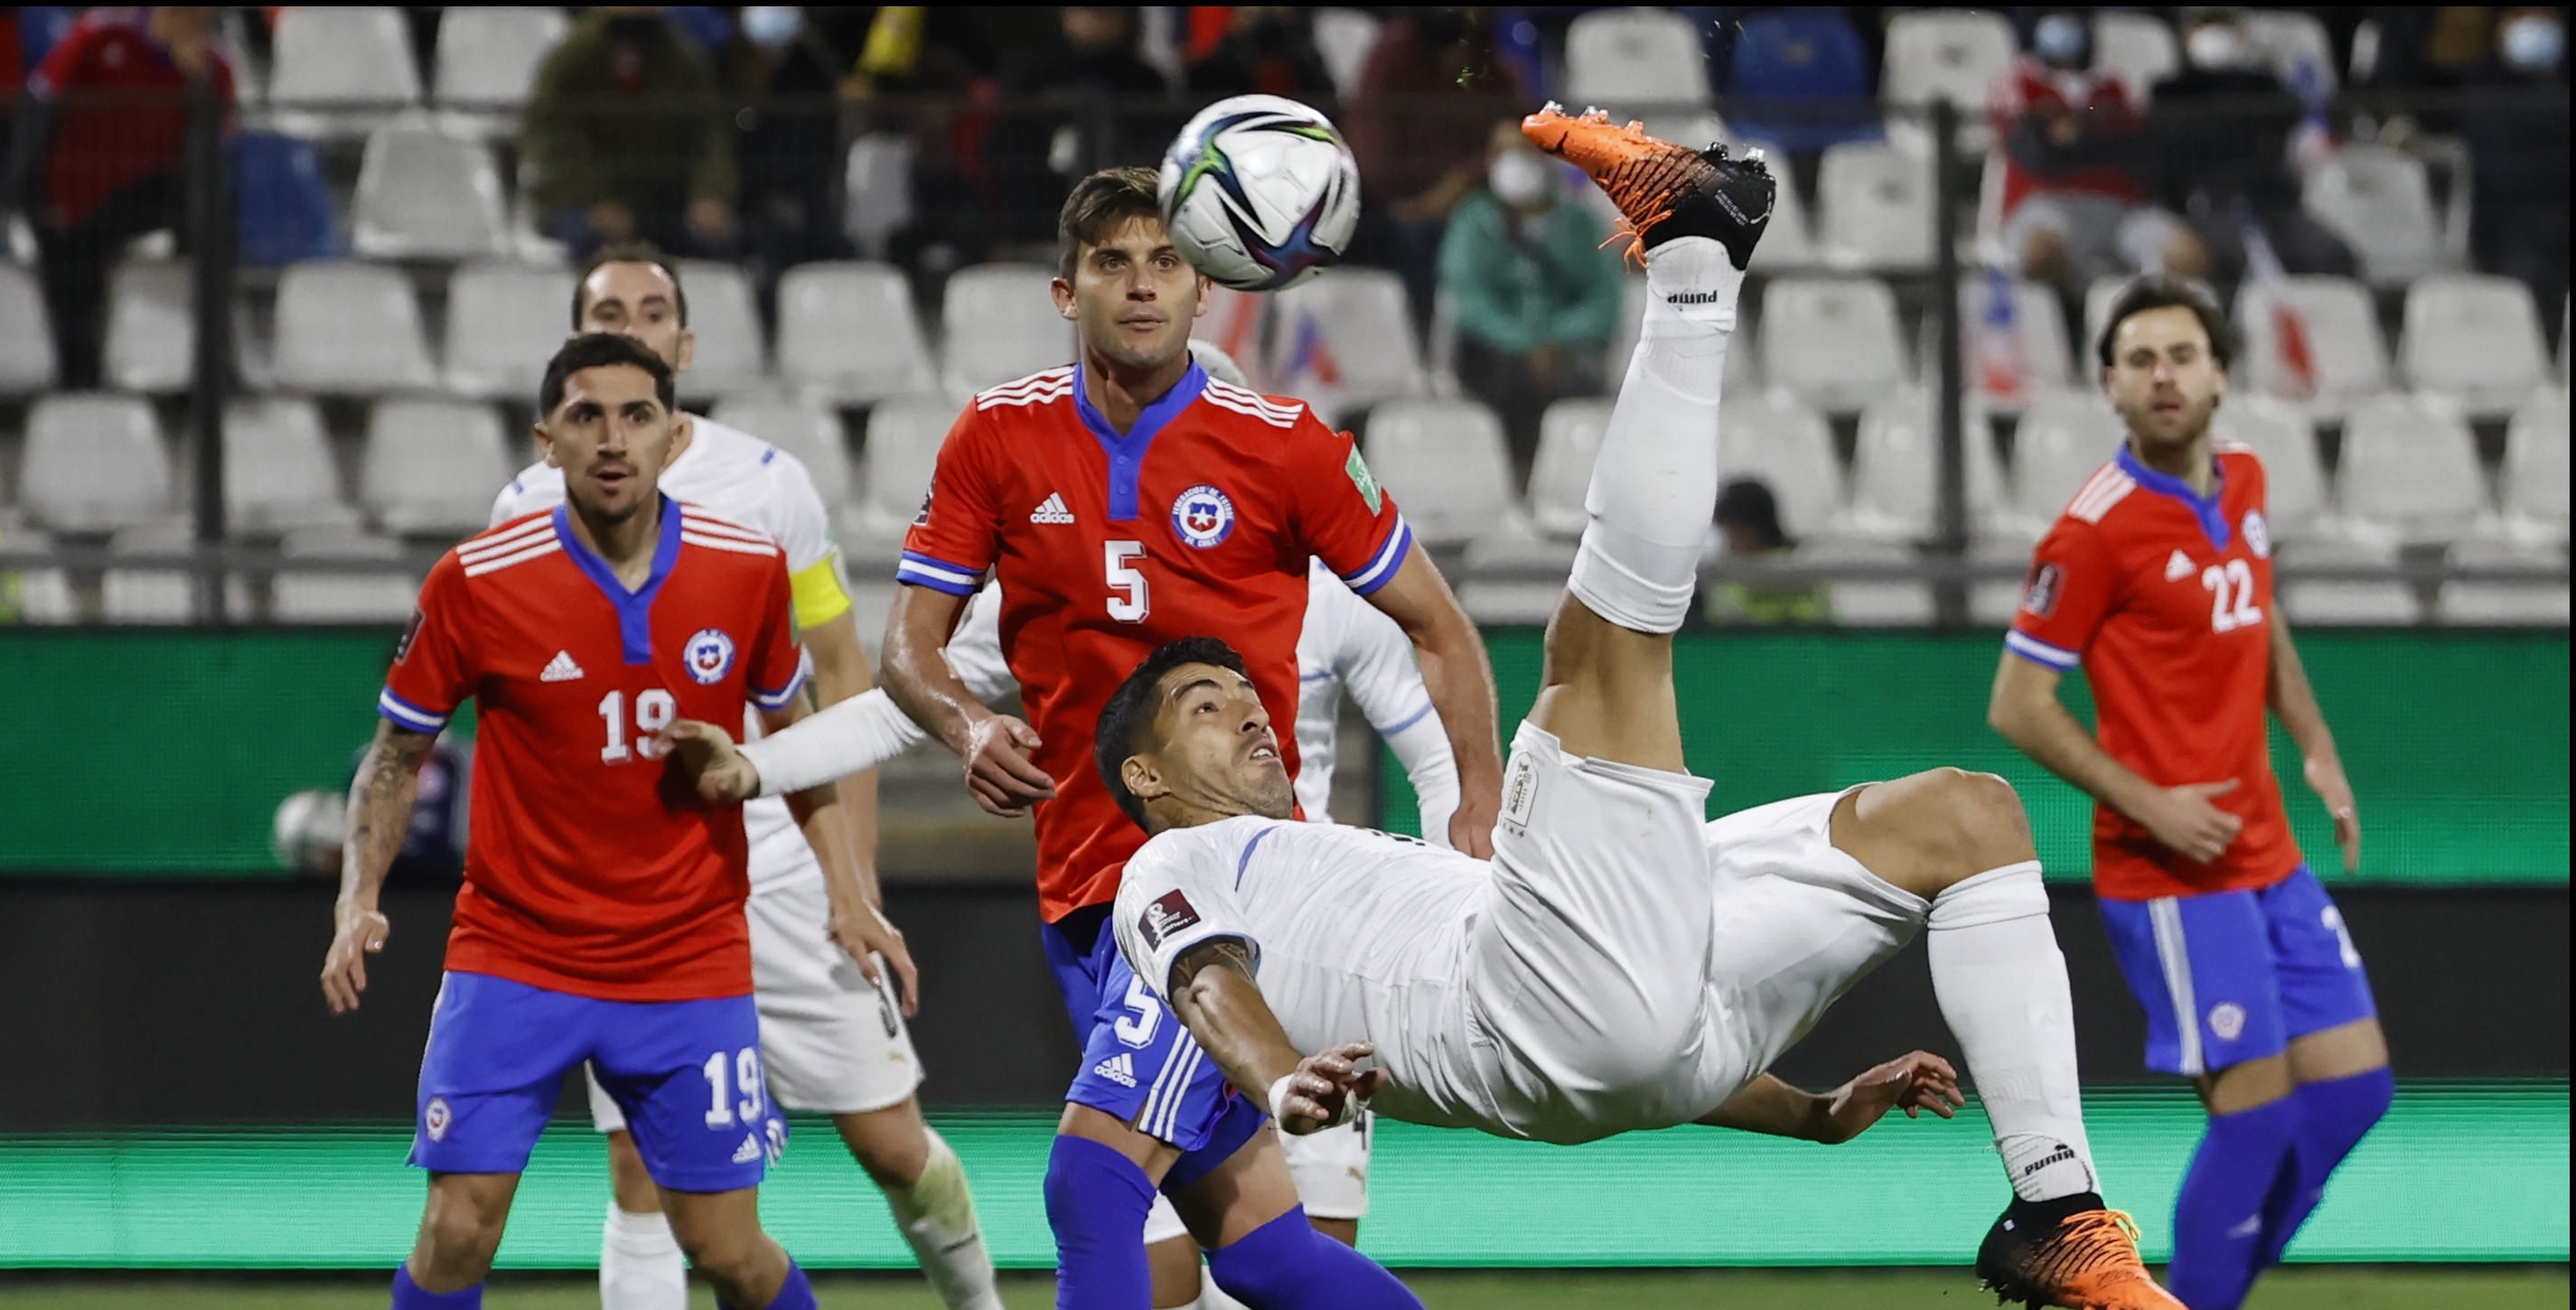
1747, 501
602, 350
2157, 291
1130, 712
1099, 205
630, 252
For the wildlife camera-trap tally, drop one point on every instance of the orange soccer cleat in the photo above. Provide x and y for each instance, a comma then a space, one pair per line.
2072, 1252
1662, 190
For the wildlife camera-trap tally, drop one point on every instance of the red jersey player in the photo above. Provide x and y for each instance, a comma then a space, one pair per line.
1127, 500
2158, 580
602, 913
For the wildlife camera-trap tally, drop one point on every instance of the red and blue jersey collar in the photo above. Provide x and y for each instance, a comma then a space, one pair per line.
2212, 516
634, 608
1127, 453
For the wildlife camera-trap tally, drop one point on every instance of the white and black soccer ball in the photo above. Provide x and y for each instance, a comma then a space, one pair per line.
306, 833
1260, 193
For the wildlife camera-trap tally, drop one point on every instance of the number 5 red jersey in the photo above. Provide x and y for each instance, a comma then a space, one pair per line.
586, 870
2165, 599
1198, 521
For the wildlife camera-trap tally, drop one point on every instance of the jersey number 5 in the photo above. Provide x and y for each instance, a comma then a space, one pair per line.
1128, 598
2231, 596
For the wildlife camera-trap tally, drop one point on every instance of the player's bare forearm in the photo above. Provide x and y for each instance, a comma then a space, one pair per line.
1915, 1082
1771, 1107
841, 672
1213, 992
380, 802
2025, 710
1460, 680
916, 677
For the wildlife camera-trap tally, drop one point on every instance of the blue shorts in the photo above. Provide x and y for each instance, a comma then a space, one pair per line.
2235, 976
1139, 1064
687, 1074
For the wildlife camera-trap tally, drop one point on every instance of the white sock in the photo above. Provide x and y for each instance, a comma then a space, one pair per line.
1654, 484
640, 1266
2002, 987
937, 1217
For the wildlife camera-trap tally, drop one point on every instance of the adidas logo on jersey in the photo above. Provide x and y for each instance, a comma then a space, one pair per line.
1118, 1069
2178, 567
561, 669
1053, 511
749, 1150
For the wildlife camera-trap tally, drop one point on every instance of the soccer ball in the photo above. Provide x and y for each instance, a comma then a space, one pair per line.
1260, 193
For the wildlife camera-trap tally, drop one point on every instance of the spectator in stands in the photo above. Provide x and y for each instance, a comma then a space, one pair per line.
628, 139
2070, 139
1536, 296
1271, 50
1419, 123
99, 152
2220, 134
1036, 152
2514, 116
782, 67
1748, 516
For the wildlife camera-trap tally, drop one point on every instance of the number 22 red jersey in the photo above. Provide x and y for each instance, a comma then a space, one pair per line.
2165, 599
1199, 521
583, 874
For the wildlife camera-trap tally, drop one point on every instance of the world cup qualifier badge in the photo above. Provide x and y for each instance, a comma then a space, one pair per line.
708, 654
1203, 516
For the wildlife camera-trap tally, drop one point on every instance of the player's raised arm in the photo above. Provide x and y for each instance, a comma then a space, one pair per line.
1460, 680
1375, 664
380, 802
2294, 703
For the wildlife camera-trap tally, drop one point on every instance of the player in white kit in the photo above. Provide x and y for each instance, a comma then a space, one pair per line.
832, 1036
1618, 965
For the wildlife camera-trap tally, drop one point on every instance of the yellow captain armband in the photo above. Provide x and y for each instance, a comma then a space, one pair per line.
818, 595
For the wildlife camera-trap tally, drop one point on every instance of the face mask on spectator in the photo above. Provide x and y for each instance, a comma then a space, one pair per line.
2533, 44
1519, 177
2216, 46
771, 26
2061, 39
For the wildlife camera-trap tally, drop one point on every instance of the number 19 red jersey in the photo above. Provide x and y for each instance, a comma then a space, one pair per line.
1198, 521
2165, 599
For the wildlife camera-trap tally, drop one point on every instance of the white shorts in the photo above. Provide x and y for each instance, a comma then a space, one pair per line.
834, 1042
1330, 1169
1796, 923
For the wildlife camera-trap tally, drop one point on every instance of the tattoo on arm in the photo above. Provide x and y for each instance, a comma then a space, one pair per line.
380, 799
1229, 953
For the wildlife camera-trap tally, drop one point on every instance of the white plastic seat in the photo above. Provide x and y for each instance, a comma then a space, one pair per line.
349, 328
431, 465
1869, 603
1946, 54
2474, 337
313, 597
1344, 341
2294, 477
2506, 601
1569, 439
2063, 439
1446, 464
2140, 47
1743, 368
43, 595
1834, 342
1896, 468
730, 356
151, 340
1874, 207
1631, 60
799, 427
2379, 201
1772, 436
278, 471
2410, 467
26, 332
998, 322
2297, 45
487, 62
340, 71
2534, 485
427, 193
504, 321
846, 330
159, 595
1992, 602
94, 463
902, 451
2347, 357
2037, 323
2348, 603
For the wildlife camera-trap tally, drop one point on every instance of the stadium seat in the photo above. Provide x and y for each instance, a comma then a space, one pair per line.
1869, 603
2534, 485
1446, 464
1991, 603
151, 326
1345, 341
431, 465
2348, 603
1896, 469
2285, 439
2503, 602
278, 471
2138, 46
1802, 75
731, 354
1569, 437
312, 597
1945, 54
846, 330
41, 595
1345, 38
2338, 325
1874, 207
286, 211
801, 428
2378, 200
1743, 370
2298, 47
1772, 436
2476, 338
487, 62
1834, 342
2410, 468
349, 328
427, 193
504, 321
1630, 61
902, 451
2063, 439
160, 595
998, 322
2032, 327
340, 71
26, 332
94, 463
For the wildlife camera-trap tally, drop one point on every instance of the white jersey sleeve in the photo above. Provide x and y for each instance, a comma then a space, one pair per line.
796, 515
974, 651
1369, 657
538, 486
1175, 894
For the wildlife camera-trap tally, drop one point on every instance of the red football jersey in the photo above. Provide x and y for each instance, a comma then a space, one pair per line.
122, 108
1198, 522
2165, 599
581, 874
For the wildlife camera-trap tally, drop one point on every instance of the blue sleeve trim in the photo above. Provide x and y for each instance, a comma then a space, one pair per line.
1382, 567
2039, 652
1416, 717
1243, 862
774, 701
938, 574
404, 714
